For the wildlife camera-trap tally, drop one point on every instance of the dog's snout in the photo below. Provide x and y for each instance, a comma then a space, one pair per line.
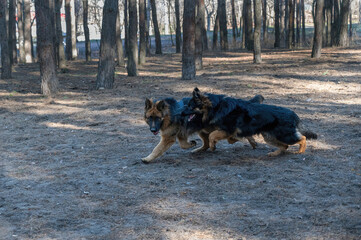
153, 129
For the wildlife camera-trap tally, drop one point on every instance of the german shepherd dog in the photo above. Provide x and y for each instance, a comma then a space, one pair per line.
236, 118
165, 116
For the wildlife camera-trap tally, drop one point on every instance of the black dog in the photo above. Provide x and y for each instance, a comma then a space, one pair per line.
200, 110
237, 118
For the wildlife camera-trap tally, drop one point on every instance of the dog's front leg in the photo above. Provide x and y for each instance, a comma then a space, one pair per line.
165, 143
183, 141
205, 139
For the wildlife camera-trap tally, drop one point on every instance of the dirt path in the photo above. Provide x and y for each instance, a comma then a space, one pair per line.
71, 169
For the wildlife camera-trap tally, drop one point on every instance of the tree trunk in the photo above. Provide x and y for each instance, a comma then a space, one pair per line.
142, 36
198, 36
319, 24
27, 32
234, 23
223, 32
106, 65
132, 66
264, 16
243, 44
170, 22
304, 22
215, 31
202, 16
45, 47
178, 36
126, 27
21, 32
291, 24
257, 31
298, 22
59, 32
248, 24
345, 11
158, 41
88, 57
12, 33
277, 43
4, 44
336, 23
287, 22
119, 43
74, 52
188, 62
147, 17
282, 22
69, 32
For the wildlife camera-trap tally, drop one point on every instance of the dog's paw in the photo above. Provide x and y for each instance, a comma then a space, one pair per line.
146, 160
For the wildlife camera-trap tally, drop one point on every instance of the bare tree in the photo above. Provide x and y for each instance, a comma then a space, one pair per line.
257, 31
21, 31
119, 44
291, 25
60, 54
27, 32
277, 43
142, 33
132, 66
343, 36
86, 31
304, 22
215, 31
178, 36
264, 17
73, 30
12, 32
69, 32
106, 65
234, 23
248, 24
319, 24
158, 41
198, 34
5, 58
126, 27
45, 45
223, 24
188, 62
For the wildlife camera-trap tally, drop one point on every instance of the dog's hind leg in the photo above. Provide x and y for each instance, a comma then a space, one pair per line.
302, 143
164, 144
205, 139
271, 140
215, 136
183, 141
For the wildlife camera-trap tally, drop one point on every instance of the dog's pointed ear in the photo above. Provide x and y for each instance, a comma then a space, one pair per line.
148, 104
160, 105
196, 93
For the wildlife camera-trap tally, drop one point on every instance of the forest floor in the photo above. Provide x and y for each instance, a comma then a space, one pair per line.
71, 168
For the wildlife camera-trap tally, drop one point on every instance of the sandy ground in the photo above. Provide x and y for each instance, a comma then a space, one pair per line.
71, 168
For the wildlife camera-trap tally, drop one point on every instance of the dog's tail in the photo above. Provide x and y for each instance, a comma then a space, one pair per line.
309, 134
257, 99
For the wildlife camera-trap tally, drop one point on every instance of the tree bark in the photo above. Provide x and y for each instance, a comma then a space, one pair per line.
45, 47
178, 34
21, 32
223, 32
298, 22
243, 25
304, 22
234, 23
88, 57
198, 36
74, 52
287, 22
291, 25
27, 32
343, 36
277, 43
69, 32
142, 36
132, 66
12, 33
319, 24
126, 27
119, 43
248, 24
215, 31
264, 16
202, 17
5, 58
188, 62
106, 65
257, 31
158, 41
59, 32
336, 23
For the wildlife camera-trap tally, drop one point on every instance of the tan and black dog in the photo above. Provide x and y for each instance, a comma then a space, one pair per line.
164, 116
